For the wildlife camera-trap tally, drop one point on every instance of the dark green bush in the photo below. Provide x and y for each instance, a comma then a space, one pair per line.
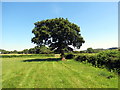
92, 59
109, 59
82, 58
70, 56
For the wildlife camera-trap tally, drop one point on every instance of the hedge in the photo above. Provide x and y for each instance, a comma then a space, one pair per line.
69, 56
105, 59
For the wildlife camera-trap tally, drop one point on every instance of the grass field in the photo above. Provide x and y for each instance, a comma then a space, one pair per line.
49, 72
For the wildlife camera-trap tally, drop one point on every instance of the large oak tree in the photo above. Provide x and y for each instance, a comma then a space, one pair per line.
59, 34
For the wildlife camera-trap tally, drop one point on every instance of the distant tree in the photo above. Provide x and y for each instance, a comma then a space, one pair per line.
25, 51
90, 50
4, 51
58, 34
113, 48
32, 51
44, 50
20, 52
39, 50
15, 51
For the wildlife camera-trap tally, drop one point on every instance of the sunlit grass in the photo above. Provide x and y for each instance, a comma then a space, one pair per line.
54, 74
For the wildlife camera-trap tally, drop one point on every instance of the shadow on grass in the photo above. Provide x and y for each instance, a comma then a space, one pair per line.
39, 60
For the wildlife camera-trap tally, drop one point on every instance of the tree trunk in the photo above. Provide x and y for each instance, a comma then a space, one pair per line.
62, 56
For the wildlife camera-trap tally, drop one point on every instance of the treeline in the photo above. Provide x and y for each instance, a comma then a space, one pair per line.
35, 50
91, 50
46, 50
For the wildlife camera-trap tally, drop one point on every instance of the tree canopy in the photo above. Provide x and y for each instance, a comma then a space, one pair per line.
90, 50
58, 34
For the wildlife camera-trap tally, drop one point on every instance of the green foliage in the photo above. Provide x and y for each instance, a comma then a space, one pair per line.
32, 51
42, 50
36, 50
69, 56
81, 58
58, 34
2, 51
90, 50
25, 51
109, 59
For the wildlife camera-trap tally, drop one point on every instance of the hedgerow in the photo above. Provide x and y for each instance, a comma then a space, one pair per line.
69, 56
109, 59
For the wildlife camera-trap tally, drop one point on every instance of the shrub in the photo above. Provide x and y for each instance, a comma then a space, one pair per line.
92, 59
109, 59
70, 56
82, 58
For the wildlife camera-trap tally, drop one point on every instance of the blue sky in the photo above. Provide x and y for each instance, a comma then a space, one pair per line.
98, 22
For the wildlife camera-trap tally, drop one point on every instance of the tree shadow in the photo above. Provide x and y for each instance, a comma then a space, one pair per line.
39, 60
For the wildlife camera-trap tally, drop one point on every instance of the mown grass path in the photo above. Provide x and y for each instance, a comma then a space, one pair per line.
53, 74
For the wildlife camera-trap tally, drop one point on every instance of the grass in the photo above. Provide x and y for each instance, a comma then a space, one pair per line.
50, 72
